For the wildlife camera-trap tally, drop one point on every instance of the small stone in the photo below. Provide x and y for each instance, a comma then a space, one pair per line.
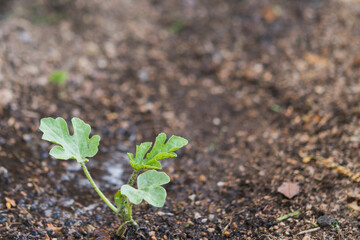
2, 218
306, 237
6, 96
160, 213
319, 90
211, 217
91, 49
221, 184
192, 197
102, 63
226, 233
216, 121
202, 178
152, 235
143, 75
90, 228
241, 168
27, 137
258, 68
84, 65
327, 221
197, 215
25, 37
3, 172
101, 234
48, 213
67, 202
210, 230
32, 70
110, 50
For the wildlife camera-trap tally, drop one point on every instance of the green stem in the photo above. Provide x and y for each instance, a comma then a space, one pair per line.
103, 197
133, 176
122, 227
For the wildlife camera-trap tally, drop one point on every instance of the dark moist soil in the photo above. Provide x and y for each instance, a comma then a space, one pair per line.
267, 92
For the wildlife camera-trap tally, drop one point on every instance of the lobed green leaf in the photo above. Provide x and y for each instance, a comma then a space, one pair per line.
160, 151
78, 146
149, 188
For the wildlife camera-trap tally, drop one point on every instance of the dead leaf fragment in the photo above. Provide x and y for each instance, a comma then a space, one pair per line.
314, 59
51, 227
306, 159
268, 15
289, 189
354, 206
101, 234
10, 203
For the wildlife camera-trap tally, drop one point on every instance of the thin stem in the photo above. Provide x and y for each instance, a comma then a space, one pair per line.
122, 227
133, 176
103, 197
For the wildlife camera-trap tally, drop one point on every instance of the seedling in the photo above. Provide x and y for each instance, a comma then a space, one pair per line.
177, 26
58, 77
80, 147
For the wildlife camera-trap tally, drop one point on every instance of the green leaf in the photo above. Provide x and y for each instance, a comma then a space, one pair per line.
149, 188
78, 146
119, 199
58, 77
160, 151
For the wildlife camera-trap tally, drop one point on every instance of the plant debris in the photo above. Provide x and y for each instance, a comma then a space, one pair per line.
289, 189
289, 215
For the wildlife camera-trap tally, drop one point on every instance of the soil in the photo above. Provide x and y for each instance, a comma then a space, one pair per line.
266, 91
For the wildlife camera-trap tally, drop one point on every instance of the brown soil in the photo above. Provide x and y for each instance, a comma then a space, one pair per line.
267, 92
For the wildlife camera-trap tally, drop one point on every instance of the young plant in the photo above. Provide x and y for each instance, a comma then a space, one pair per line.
58, 77
79, 147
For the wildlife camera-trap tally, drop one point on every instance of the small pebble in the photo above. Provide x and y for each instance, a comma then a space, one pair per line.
143, 75
152, 235
192, 197
220, 184
25, 37
210, 230
327, 221
216, 121
2, 218
6, 97
226, 233
48, 213
161, 213
3, 172
67, 202
202, 178
27, 137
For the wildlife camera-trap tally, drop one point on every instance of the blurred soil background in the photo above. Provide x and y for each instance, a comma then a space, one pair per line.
266, 91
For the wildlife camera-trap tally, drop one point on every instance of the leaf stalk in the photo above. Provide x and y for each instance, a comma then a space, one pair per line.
93, 184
